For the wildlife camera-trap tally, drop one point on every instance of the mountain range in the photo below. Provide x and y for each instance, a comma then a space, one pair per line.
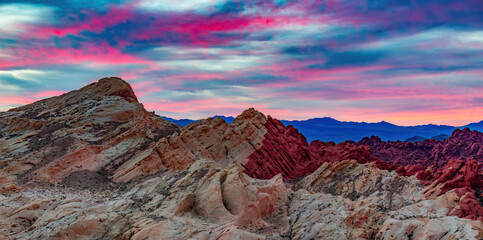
329, 129
94, 164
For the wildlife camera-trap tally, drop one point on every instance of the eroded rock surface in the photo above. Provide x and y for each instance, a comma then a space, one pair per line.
208, 139
462, 144
97, 128
348, 200
94, 164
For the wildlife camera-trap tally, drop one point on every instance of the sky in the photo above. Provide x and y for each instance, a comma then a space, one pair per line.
403, 61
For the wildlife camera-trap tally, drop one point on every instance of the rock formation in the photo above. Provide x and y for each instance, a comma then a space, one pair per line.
365, 202
462, 144
97, 128
94, 164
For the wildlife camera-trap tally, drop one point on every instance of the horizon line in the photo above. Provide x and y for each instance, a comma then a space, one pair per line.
312, 118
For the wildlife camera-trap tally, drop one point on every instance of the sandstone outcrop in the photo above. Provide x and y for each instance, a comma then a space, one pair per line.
94, 164
454, 163
285, 150
348, 200
96, 128
208, 139
205, 201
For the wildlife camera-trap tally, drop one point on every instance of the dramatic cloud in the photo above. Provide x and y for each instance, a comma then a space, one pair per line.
407, 62
17, 17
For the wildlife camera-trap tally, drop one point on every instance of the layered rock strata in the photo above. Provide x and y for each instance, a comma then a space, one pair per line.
94, 164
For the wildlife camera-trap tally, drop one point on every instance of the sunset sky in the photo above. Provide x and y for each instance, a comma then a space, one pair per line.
405, 62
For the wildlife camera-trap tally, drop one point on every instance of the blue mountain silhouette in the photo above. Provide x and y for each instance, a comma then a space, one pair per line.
329, 129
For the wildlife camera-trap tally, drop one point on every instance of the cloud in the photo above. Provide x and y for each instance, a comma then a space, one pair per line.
8, 87
341, 59
16, 18
29, 75
229, 63
46, 94
177, 6
365, 60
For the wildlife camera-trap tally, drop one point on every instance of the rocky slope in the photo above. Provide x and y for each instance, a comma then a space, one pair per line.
94, 164
462, 144
96, 128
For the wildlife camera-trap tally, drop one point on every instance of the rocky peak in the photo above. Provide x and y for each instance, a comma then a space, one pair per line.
112, 86
97, 128
466, 133
251, 115
372, 139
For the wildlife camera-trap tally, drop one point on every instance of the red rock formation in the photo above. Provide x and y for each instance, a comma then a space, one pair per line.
401, 153
462, 144
331, 152
466, 180
468, 205
454, 163
458, 174
284, 150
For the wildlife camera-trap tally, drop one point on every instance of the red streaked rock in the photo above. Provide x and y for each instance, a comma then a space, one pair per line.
283, 150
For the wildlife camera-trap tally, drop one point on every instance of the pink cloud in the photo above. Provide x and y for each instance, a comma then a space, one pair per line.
47, 93
18, 100
15, 100
145, 88
213, 105
95, 23
98, 54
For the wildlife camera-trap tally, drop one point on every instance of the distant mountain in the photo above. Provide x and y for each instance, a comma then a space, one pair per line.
440, 137
180, 122
415, 139
227, 119
329, 129
475, 126
184, 122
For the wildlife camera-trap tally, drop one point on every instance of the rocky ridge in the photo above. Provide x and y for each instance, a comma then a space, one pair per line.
94, 164
462, 144
97, 128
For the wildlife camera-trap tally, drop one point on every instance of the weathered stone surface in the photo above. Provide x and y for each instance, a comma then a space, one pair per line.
7, 186
94, 164
205, 201
347, 200
208, 139
283, 150
112, 87
96, 128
